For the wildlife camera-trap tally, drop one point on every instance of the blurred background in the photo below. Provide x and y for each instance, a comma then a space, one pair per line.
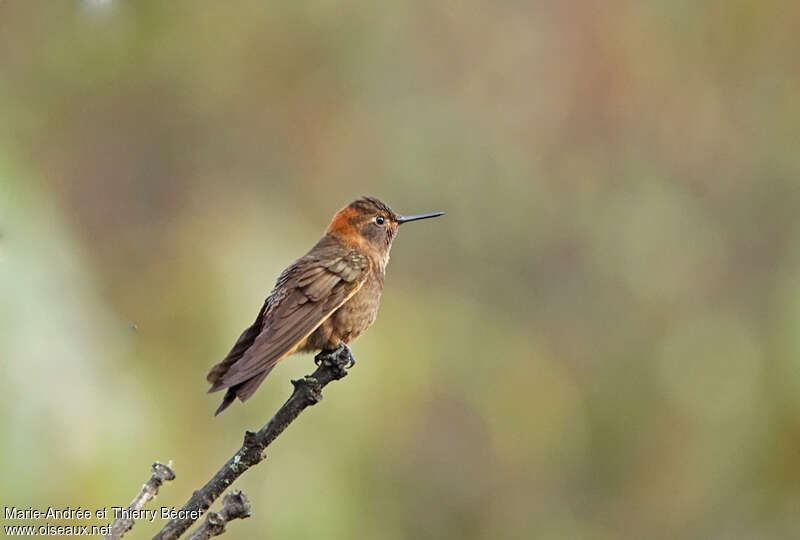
601, 340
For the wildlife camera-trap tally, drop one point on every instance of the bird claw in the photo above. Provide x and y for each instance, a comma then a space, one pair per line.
351, 362
344, 353
341, 357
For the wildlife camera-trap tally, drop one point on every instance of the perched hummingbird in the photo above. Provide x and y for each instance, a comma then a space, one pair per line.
322, 302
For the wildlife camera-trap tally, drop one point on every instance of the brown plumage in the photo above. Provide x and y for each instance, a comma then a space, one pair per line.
324, 299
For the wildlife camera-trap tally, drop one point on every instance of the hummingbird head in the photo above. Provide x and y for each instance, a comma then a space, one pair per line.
370, 224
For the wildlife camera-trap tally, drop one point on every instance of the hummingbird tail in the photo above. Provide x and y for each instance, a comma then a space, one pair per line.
230, 395
242, 390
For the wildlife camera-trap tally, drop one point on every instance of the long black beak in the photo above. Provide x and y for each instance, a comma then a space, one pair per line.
406, 219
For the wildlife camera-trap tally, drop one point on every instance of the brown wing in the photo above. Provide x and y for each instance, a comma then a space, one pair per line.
304, 297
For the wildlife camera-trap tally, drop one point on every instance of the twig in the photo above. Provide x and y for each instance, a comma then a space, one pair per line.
306, 392
161, 473
234, 506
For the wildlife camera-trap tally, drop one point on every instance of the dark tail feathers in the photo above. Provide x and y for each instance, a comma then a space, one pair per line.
246, 388
242, 390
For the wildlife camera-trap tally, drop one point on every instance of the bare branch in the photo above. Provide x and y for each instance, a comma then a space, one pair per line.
234, 506
307, 391
161, 473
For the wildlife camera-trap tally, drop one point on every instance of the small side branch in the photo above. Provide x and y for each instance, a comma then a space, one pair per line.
307, 391
234, 506
161, 473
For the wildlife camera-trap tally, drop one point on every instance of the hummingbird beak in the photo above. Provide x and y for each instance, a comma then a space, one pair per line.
406, 219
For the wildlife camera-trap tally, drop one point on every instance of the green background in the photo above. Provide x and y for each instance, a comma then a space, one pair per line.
601, 339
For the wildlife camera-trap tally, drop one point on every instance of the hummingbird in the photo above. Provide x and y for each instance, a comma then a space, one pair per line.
321, 302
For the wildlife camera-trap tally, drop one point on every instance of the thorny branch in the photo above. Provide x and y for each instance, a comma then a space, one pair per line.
307, 391
161, 473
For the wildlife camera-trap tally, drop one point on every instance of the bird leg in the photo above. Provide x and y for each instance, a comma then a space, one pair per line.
341, 356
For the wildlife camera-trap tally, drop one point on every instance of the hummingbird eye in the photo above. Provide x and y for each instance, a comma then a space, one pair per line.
380, 220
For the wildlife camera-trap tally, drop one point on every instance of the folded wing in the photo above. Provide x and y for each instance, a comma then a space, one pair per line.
306, 294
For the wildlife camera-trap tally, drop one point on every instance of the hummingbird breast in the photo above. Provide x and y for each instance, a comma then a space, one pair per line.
350, 320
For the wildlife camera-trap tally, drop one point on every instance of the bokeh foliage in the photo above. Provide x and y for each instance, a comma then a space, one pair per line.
599, 341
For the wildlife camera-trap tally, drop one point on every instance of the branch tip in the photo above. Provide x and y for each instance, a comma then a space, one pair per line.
235, 505
160, 473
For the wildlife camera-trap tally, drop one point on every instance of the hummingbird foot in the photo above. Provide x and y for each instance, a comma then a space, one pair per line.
347, 355
341, 357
